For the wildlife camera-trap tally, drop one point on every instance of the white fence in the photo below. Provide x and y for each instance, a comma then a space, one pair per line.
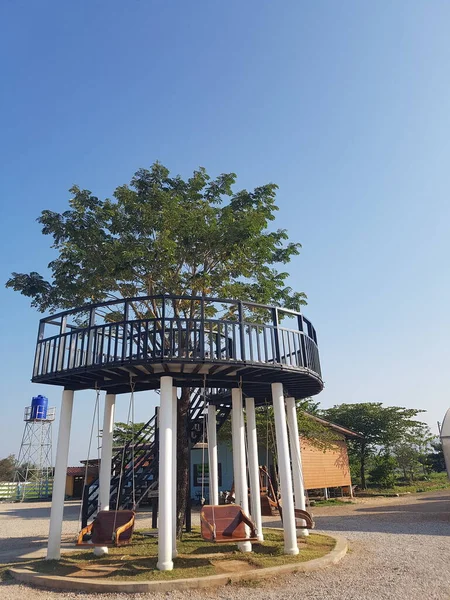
32, 490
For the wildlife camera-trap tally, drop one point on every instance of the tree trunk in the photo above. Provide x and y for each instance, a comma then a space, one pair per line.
363, 466
183, 458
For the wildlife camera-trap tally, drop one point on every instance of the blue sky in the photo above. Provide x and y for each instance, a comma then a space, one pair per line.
343, 105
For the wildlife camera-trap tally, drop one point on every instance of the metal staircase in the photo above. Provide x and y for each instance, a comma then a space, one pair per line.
139, 457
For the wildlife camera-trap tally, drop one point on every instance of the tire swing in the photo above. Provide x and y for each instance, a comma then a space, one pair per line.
226, 522
112, 527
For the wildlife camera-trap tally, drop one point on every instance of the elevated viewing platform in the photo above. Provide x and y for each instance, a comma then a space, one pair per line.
198, 341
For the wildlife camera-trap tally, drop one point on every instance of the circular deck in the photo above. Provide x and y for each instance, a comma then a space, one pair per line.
197, 340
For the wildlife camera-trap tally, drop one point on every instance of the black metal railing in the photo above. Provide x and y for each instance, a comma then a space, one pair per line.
174, 328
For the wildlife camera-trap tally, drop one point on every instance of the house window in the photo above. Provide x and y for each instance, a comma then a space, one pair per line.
202, 471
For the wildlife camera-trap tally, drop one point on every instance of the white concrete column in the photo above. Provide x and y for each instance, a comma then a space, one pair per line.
253, 466
59, 482
287, 495
106, 454
166, 465
239, 463
174, 472
235, 448
296, 455
212, 456
325, 493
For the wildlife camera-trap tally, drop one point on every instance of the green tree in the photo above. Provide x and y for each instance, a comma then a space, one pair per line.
7, 468
407, 459
412, 451
318, 434
382, 472
165, 235
125, 432
381, 426
436, 456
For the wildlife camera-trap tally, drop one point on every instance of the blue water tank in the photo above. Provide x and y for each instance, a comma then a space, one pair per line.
39, 405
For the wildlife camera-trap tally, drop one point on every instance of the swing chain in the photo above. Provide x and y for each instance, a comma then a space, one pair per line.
95, 417
203, 499
130, 418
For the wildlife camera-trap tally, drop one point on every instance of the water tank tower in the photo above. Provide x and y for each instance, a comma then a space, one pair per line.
34, 467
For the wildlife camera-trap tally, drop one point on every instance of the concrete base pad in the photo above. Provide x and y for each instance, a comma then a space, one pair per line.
210, 581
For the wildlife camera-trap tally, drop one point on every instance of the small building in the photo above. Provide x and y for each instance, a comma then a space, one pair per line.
75, 480
329, 467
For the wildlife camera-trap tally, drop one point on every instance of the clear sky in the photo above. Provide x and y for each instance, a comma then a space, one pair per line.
345, 105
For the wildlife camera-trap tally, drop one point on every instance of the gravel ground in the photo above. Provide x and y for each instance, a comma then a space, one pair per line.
399, 548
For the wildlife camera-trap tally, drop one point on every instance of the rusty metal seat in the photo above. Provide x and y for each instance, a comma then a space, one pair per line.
302, 514
226, 523
109, 528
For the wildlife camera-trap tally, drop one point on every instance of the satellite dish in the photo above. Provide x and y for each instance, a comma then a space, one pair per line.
445, 439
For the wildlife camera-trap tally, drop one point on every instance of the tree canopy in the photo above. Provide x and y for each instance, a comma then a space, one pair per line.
381, 426
317, 433
7, 468
164, 235
125, 433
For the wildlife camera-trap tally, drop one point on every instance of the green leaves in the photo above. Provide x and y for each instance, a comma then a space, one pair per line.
163, 234
382, 472
7, 468
318, 434
382, 427
33, 286
125, 432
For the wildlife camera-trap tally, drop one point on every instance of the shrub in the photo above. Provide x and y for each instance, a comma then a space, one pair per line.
383, 471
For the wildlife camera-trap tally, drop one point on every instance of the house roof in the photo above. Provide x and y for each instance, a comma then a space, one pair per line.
80, 471
345, 431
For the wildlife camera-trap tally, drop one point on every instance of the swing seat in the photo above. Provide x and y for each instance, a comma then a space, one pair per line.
302, 514
109, 528
226, 523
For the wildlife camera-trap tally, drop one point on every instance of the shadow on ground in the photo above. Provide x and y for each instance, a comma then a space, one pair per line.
430, 516
28, 511
418, 515
13, 551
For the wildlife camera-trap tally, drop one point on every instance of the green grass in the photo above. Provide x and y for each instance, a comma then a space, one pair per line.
331, 502
435, 481
195, 557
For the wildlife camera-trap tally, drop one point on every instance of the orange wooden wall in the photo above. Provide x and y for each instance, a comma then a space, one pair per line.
325, 469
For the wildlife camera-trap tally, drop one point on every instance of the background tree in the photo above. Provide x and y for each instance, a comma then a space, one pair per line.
413, 450
381, 426
407, 459
165, 235
7, 468
435, 457
382, 472
125, 432
318, 434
